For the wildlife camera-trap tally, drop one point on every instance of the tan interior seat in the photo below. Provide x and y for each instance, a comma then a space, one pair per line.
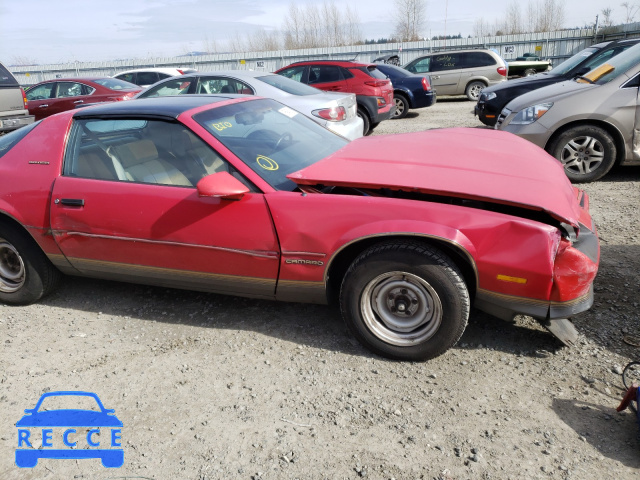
141, 163
94, 165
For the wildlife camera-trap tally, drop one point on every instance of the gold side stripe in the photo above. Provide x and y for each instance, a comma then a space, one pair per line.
300, 283
252, 253
187, 273
533, 301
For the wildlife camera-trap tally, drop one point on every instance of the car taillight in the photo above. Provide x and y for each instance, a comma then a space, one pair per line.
377, 83
381, 102
24, 97
333, 114
502, 71
573, 273
425, 84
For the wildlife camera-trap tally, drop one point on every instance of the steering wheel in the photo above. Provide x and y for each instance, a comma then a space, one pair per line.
286, 137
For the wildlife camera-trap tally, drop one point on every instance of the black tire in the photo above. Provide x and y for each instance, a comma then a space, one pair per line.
402, 106
529, 71
586, 151
474, 89
362, 113
26, 274
631, 374
405, 283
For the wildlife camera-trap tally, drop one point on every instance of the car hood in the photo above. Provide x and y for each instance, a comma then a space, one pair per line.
550, 93
468, 163
531, 82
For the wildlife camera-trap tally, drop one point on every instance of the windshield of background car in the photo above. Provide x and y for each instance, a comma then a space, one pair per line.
394, 72
567, 65
8, 141
6, 79
621, 63
287, 85
116, 84
69, 402
270, 138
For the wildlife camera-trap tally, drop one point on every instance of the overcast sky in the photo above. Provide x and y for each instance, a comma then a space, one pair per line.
46, 31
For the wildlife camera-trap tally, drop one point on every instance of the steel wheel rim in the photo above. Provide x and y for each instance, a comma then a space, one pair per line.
12, 271
475, 91
582, 155
399, 107
401, 309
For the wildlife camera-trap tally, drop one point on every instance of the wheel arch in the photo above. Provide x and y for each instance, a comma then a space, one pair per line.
608, 127
344, 257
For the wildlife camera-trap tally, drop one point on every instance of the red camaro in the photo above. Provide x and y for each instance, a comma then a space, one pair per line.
246, 196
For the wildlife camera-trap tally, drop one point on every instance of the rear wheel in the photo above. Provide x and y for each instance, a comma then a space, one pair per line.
586, 151
405, 300
365, 120
474, 89
26, 274
529, 71
402, 106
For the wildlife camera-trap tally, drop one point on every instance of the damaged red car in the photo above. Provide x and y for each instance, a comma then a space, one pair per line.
245, 196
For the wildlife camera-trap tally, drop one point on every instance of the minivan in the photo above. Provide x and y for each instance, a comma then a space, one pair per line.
461, 72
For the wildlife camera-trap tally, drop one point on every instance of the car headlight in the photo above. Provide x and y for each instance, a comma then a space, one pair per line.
531, 114
489, 96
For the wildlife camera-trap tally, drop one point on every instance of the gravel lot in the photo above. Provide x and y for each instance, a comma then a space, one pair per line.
212, 387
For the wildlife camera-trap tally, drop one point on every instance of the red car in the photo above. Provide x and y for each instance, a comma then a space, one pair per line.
245, 196
55, 96
374, 92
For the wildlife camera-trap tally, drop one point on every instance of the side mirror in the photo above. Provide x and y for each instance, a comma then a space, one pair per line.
221, 185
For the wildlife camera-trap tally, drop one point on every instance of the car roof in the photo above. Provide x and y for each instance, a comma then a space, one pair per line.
75, 79
168, 107
339, 63
156, 69
229, 73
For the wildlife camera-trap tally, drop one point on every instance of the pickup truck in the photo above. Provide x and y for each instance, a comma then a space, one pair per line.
526, 65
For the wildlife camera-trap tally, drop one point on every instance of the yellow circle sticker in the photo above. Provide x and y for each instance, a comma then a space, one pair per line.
267, 163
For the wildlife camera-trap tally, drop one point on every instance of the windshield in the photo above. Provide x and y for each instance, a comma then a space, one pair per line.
290, 86
578, 58
616, 66
115, 84
270, 138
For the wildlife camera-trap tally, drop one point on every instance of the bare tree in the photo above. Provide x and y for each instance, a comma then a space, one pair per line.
481, 28
209, 45
544, 15
410, 19
513, 19
631, 11
606, 17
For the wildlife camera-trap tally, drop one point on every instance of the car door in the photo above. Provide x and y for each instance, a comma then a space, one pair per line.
40, 98
127, 208
328, 78
68, 96
445, 73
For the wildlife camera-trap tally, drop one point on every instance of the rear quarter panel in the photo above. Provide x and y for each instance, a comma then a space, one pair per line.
27, 173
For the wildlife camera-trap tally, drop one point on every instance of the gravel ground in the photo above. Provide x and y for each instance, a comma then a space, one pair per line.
212, 387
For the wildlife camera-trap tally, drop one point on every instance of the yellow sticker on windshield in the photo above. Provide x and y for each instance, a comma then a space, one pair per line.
267, 163
221, 126
597, 73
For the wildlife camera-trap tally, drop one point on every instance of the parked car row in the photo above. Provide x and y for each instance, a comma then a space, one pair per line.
585, 112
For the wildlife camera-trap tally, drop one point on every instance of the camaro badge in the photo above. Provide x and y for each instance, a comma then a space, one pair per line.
304, 262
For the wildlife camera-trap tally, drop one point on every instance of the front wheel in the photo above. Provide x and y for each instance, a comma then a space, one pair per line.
26, 274
405, 300
587, 152
473, 90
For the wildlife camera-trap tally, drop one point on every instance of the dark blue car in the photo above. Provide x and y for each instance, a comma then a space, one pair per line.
410, 90
37, 420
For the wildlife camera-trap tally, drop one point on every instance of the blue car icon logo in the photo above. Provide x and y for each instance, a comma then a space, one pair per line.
63, 428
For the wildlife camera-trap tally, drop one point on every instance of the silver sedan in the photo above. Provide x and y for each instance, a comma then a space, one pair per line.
335, 111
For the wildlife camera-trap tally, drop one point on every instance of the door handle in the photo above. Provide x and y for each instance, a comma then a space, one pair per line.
71, 202
79, 101
43, 106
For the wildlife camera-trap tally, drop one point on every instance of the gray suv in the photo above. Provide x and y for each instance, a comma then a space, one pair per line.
461, 72
13, 103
